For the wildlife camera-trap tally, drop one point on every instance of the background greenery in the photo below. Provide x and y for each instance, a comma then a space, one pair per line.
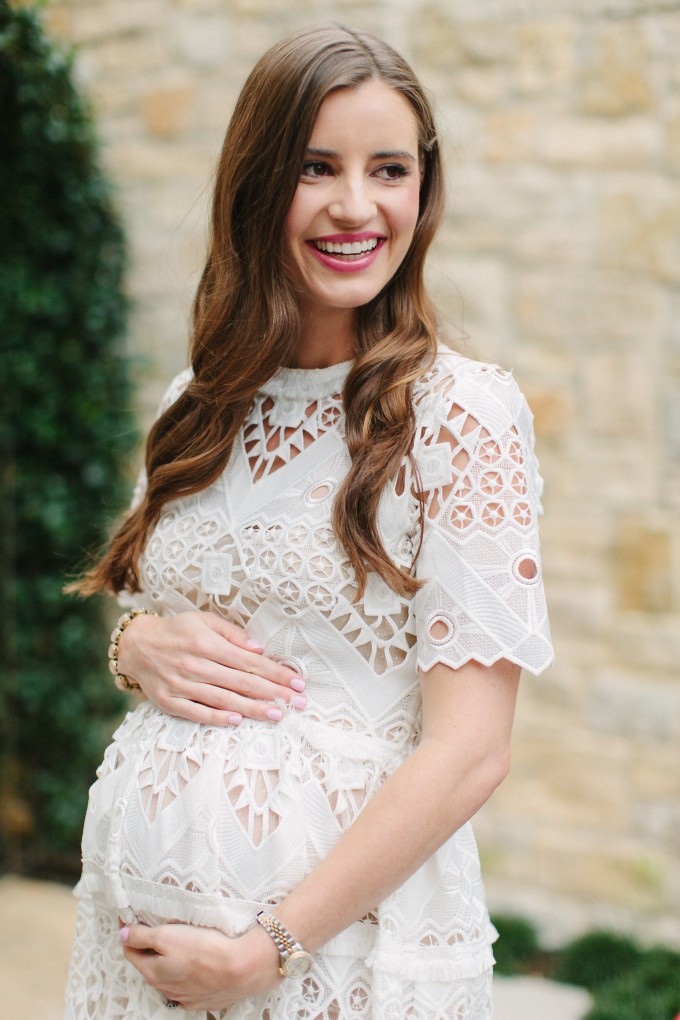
626, 981
65, 432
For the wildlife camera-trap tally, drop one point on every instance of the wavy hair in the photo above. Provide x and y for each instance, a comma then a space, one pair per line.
245, 316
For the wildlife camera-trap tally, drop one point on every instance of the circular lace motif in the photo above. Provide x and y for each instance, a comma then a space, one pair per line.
441, 628
528, 560
320, 491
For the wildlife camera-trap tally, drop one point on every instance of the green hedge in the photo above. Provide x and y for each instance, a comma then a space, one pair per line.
65, 433
626, 981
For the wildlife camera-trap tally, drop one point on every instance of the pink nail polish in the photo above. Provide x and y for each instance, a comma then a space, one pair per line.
234, 720
299, 702
124, 934
275, 714
297, 685
255, 645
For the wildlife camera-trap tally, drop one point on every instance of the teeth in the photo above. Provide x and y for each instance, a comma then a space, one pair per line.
347, 247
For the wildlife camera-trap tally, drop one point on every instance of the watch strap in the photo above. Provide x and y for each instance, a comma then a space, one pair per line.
286, 943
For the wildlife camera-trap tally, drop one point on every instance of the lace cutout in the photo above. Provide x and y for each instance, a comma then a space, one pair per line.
294, 409
103, 986
479, 487
481, 536
198, 824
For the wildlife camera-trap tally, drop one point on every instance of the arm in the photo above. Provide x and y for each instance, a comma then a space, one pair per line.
462, 756
202, 668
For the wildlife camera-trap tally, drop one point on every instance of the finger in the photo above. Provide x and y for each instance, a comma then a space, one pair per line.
195, 674
232, 632
253, 661
138, 937
239, 708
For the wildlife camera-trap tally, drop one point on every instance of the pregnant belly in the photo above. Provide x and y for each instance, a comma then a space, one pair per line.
217, 820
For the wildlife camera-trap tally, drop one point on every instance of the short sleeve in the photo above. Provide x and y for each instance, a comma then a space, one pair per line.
482, 596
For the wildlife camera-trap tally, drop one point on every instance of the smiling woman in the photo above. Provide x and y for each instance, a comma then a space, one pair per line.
355, 210
326, 558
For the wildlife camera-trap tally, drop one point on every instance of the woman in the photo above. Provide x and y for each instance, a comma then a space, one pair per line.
334, 505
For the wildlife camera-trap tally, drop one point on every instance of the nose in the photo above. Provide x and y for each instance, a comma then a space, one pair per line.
351, 202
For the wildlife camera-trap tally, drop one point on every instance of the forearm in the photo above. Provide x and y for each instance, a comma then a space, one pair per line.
432, 794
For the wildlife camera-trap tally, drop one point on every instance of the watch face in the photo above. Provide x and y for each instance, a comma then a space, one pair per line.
298, 964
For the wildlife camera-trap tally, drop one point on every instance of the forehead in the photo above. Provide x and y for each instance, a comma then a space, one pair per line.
373, 115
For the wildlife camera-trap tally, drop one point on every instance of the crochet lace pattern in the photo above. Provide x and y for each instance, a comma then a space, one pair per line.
206, 825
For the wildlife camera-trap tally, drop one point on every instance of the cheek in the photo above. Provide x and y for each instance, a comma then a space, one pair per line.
406, 215
293, 222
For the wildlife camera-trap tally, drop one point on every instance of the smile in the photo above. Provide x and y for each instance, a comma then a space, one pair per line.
346, 247
346, 254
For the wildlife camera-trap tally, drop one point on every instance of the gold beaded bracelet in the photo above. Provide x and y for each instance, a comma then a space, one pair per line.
122, 682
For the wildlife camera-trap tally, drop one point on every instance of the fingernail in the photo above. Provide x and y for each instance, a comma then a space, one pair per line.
299, 702
297, 684
124, 934
275, 714
255, 644
234, 720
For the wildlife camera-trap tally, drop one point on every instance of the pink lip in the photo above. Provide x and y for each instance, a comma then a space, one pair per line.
356, 265
340, 238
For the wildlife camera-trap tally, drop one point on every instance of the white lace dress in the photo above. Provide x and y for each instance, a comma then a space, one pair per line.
205, 825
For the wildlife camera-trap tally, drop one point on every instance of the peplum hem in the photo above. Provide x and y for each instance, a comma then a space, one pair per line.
416, 965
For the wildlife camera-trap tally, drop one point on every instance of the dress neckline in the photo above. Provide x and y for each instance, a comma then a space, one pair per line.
307, 383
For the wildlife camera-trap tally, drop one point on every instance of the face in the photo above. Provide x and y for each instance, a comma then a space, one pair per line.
356, 205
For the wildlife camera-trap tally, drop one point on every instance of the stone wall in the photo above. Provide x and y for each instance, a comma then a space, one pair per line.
560, 258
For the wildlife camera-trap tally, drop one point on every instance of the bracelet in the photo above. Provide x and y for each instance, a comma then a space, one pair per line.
122, 682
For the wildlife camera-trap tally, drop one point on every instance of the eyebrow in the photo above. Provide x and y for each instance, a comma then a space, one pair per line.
382, 154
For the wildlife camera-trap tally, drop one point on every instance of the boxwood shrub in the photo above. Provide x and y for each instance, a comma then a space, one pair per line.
65, 432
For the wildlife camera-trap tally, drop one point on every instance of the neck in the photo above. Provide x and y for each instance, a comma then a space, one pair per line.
327, 338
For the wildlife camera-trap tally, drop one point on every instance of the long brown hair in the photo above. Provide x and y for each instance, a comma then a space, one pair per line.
245, 316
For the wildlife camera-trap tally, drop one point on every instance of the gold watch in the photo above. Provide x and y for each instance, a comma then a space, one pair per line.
295, 961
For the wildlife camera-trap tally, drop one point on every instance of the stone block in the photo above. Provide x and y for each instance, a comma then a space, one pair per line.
485, 41
471, 291
613, 472
91, 22
510, 135
633, 143
620, 398
656, 771
200, 6
581, 310
642, 557
436, 38
554, 410
672, 420
481, 86
58, 21
601, 870
167, 107
640, 230
616, 78
202, 41
569, 784
673, 139
150, 159
635, 707
139, 55
650, 642
544, 56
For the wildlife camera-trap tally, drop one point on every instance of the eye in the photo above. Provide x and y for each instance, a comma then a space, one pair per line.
316, 168
392, 172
